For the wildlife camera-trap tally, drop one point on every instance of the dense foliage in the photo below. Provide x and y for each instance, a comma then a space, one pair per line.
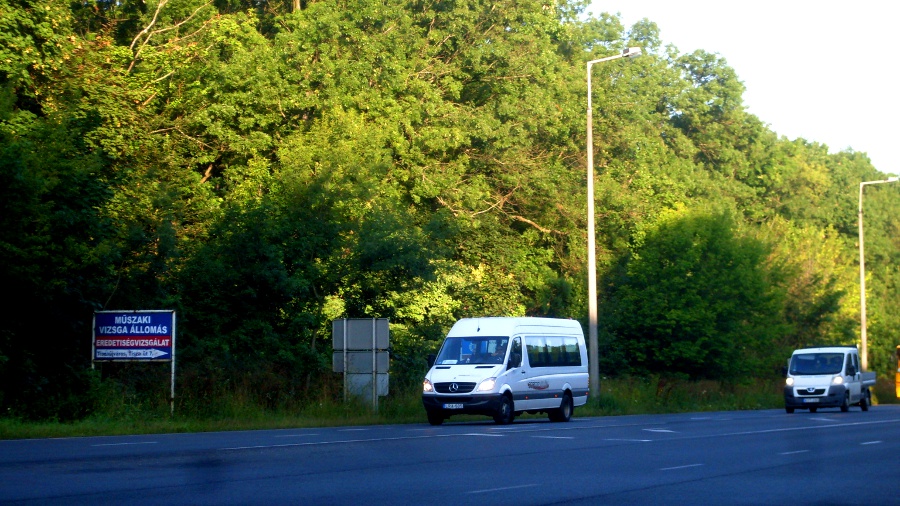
263, 168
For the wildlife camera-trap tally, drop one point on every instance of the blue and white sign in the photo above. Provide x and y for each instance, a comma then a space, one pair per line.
134, 336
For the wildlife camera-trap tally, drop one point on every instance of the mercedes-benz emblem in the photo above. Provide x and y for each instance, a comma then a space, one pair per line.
454, 387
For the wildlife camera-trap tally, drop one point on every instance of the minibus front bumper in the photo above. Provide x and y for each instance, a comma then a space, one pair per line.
481, 404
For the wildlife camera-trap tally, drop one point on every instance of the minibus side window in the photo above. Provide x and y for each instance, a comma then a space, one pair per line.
553, 351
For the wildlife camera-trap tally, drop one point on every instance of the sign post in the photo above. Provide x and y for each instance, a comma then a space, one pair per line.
361, 354
135, 336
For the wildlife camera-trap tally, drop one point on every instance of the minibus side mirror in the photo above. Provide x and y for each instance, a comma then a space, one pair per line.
431, 359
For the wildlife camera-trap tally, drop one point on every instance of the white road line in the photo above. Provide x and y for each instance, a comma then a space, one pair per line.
794, 452
347, 441
793, 429
631, 440
553, 437
488, 490
680, 467
871, 443
660, 430
126, 444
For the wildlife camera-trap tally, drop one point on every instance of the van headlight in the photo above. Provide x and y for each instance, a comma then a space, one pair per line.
487, 385
837, 380
789, 382
427, 387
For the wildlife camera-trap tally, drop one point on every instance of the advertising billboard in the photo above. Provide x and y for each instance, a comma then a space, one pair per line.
134, 336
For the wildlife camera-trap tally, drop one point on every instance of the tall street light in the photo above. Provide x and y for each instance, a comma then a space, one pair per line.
594, 364
864, 358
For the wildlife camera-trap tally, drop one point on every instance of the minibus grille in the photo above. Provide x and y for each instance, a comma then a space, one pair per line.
449, 388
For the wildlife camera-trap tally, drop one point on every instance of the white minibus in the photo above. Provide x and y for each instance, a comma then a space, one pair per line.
505, 366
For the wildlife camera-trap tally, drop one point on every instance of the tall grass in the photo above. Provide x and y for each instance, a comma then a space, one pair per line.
239, 410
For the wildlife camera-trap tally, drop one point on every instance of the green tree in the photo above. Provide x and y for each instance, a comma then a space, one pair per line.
694, 298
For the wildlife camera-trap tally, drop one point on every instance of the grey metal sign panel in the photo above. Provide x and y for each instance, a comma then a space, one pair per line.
360, 385
359, 333
360, 361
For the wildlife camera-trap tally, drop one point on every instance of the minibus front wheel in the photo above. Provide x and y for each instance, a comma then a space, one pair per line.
505, 412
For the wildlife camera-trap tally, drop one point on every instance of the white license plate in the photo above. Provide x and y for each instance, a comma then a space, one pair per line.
453, 406
811, 400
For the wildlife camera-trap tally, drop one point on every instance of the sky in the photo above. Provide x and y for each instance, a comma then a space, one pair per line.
823, 70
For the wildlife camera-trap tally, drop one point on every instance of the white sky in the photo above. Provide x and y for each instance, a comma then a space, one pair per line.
823, 70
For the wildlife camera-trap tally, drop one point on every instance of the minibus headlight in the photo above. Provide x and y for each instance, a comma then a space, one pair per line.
837, 380
487, 385
427, 387
789, 382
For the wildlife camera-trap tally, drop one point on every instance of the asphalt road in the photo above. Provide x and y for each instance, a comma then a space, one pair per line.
746, 457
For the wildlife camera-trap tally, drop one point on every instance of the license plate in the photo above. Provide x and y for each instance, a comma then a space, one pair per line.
812, 400
453, 406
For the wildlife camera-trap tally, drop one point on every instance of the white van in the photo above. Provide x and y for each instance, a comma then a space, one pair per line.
502, 367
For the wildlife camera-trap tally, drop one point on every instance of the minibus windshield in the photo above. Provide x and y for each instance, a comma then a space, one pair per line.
473, 350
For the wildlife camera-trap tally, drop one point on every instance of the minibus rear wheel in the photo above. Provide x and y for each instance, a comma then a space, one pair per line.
564, 412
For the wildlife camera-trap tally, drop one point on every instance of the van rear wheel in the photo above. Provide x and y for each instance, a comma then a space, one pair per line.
564, 412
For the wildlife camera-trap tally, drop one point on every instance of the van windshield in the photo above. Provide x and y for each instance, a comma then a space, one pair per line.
816, 363
473, 350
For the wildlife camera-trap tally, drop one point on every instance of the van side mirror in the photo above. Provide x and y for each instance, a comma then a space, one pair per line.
515, 360
431, 359
851, 371
784, 370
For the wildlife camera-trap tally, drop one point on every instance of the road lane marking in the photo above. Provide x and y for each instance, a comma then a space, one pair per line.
631, 440
500, 489
794, 452
553, 437
660, 430
680, 467
871, 443
347, 441
126, 444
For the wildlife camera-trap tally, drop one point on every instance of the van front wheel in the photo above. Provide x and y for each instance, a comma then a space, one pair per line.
505, 413
435, 417
564, 412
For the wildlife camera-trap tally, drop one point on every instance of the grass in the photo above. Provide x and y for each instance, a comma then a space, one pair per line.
629, 396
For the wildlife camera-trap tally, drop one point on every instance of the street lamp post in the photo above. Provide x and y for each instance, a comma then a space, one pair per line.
864, 353
594, 366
